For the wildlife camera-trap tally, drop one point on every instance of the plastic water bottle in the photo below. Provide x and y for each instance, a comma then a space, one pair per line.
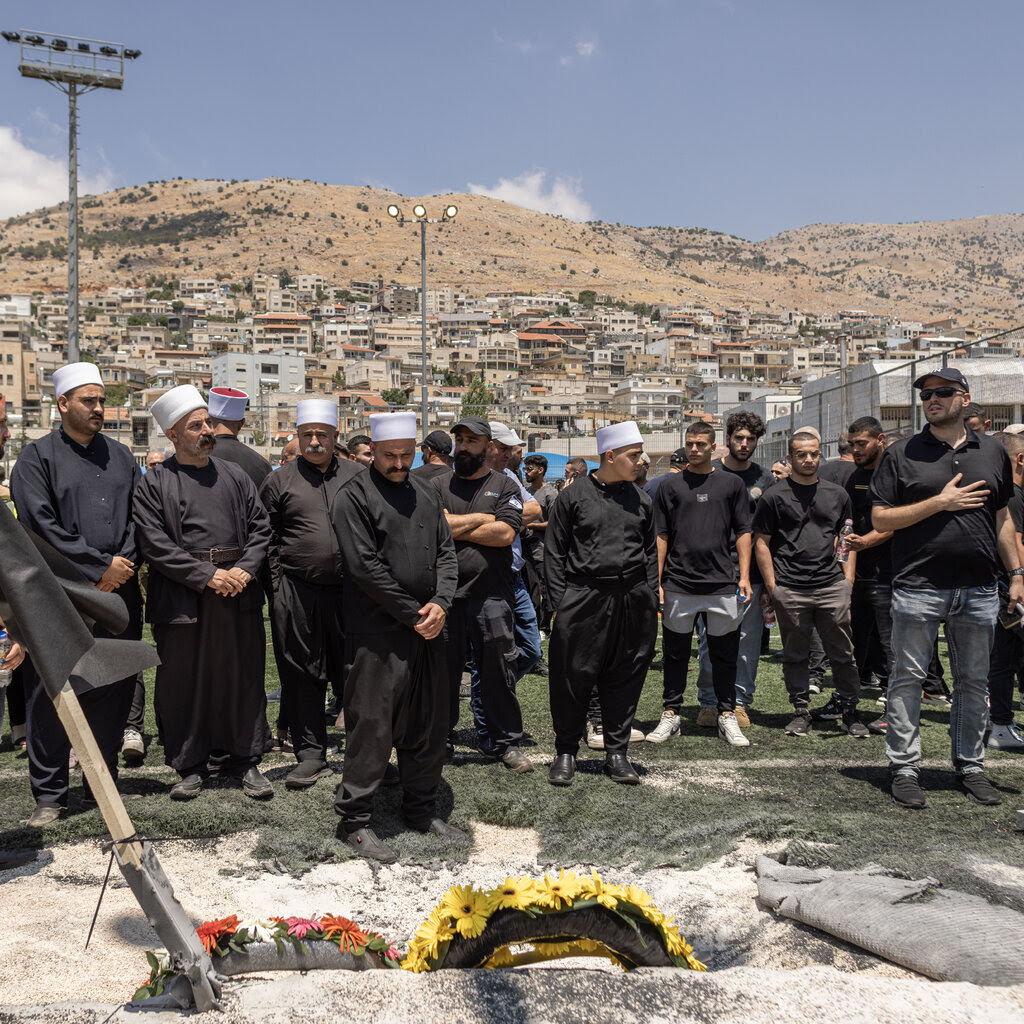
843, 550
767, 612
5, 649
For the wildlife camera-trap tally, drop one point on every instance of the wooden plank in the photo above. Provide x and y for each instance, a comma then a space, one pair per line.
101, 782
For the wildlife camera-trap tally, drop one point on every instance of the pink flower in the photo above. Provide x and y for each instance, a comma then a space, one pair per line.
392, 953
301, 926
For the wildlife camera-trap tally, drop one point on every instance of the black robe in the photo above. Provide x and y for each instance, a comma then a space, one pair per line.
210, 693
399, 555
601, 560
306, 605
230, 449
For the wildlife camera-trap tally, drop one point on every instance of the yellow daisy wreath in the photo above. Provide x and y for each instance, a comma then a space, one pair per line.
465, 913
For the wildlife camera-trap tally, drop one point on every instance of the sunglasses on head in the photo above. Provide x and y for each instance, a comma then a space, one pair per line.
927, 393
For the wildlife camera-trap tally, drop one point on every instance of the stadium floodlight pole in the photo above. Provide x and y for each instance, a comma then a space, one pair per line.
75, 66
419, 212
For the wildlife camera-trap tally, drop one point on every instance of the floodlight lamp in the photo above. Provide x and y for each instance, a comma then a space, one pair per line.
394, 211
132, 54
83, 47
34, 40
419, 211
450, 211
60, 44
11, 37
108, 51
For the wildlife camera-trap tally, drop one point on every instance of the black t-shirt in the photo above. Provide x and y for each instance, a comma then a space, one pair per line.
428, 470
874, 565
948, 549
1016, 506
836, 471
483, 571
757, 480
700, 514
802, 522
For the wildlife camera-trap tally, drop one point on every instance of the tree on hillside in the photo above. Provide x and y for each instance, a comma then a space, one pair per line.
587, 298
476, 399
285, 277
395, 396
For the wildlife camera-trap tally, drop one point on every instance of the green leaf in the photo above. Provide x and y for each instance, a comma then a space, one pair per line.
154, 964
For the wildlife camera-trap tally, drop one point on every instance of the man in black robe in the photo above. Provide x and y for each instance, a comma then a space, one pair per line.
400, 577
74, 488
602, 568
306, 572
227, 414
205, 535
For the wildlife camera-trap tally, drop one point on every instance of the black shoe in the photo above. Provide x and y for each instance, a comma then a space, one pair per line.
449, 751
880, 724
853, 726
618, 769
44, 814
540, 669
440, 827
366, 844
980, 789
332, 709
255, 785
800, 724
187, 788
516, 761
906, 790
562, 770
391, 776
306, 774
830, 712
274, 697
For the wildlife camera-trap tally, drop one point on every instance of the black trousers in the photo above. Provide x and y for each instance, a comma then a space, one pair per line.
723, 652
106, 710
871, 625
309, 646
601, 638
136, 716
1006, 666
485, 628
396, 695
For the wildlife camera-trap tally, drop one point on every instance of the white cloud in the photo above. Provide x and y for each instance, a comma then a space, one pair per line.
586, 47
565, 197
29, 179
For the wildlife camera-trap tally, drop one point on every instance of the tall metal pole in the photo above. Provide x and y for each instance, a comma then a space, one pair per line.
423, 322
73, 346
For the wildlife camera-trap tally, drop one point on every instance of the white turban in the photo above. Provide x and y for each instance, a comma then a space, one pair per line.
618, 435
228, 403
178, 402
392, 426
317, 410
74, 375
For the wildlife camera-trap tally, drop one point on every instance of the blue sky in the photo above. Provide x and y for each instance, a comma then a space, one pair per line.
746, 116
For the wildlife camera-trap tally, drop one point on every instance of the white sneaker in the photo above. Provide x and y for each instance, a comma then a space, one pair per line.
936, 700
1006, 737
729, 730
595, 736
132, 747
814, 688
665, 729
636, 736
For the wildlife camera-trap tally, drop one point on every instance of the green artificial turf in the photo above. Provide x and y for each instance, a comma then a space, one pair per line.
825, 797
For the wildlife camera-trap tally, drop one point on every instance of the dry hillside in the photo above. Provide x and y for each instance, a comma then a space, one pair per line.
172, 229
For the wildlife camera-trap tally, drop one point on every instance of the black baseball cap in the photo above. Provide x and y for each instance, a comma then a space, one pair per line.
439, 441
475, 425
950, 373
678, 457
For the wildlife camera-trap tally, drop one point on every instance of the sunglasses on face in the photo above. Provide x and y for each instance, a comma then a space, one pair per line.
940, 393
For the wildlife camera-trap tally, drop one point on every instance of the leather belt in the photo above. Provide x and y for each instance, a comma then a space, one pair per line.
218, 556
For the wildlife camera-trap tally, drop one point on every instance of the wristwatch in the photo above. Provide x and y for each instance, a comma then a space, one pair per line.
1016, 572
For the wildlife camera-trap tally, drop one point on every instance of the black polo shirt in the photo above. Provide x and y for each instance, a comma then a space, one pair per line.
948, 549
874, 565
700, 515
802, 522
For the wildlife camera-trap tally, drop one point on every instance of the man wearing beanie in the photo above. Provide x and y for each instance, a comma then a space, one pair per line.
205, 535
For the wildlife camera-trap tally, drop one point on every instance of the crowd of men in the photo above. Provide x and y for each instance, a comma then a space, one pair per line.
388, 585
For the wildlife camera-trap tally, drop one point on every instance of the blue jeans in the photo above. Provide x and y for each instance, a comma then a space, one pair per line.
751, 627
527, 640
970, 617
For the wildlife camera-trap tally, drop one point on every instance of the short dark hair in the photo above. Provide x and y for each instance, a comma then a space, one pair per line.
844, 445
972, 409
357, 440
1013, 443
745, 421
866, 425
803, 435
699, 427
536, 460
577, 465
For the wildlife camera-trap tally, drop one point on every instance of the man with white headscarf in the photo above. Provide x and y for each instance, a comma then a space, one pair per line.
227, 414
401, 572
601, 559
205, 534
305, 573
74, 488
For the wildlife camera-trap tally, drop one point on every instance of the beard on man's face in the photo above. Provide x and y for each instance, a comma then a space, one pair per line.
467, 463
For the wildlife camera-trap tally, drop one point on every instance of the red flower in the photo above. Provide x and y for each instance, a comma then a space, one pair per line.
349, 935
211, 931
